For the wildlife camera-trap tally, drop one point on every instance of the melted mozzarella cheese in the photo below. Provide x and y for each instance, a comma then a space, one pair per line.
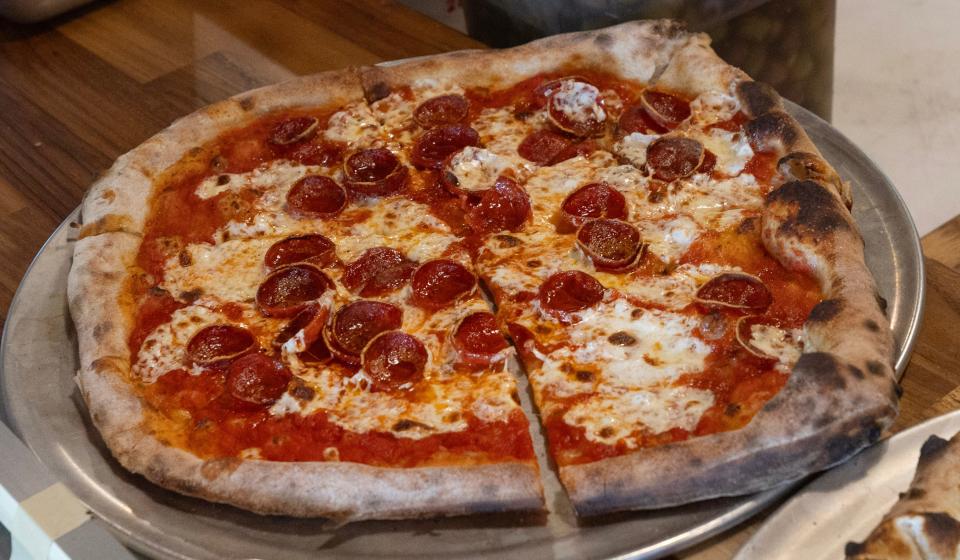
265, 177
164, 349
355, 125
476, 169
578, 101
614, 415
633, 147
660, 346
501, 132
732, 149
399, 223
229, 271
712, 107
785, 346
669, 239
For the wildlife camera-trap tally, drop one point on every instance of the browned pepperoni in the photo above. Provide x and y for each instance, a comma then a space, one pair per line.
744, 335
293, 130
477, 339
736, 290
545, 147
378, 271
317, 352
257, 380
289, 289
568, 292
316, 196
374, 172
667, 110
674, 157
612, 245
595, 200
218, 344
636, 119
312, 248
504, 207
441, 110
394, 360
440, 283
437, 144
709, 162
355, 324
310, 321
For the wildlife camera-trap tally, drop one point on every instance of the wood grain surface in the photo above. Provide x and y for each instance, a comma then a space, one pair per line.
80, 90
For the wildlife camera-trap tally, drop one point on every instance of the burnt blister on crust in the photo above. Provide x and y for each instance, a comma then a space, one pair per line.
932, 448
775, 131
943, 531
822, 366
757, 98
825, 311
813, 210
376, 91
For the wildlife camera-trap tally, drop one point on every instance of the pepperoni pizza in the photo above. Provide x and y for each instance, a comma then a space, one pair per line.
318, 298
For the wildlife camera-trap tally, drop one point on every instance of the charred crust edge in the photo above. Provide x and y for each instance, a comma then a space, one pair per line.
825, 311
757, 98
932, 448
822, 366
813, 209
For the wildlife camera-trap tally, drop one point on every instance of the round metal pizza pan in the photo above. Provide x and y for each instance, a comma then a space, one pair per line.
846, 503
42, 405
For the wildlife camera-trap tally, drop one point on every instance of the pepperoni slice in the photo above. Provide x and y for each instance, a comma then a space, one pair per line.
312, 248
595, 200
574, 107
440, 283
635, 119
545, 147
355, 324
674, 157
709, 162
666, 110
217, 344
308, 323
374, 172
378, 271
506, 206
437, 144
568, 292
257, 380
293, 130
478, 340
612, 245
289, 289
442, 110
394, 361
316, 196
736, 290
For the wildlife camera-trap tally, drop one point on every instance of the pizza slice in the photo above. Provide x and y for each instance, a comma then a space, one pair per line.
925, 521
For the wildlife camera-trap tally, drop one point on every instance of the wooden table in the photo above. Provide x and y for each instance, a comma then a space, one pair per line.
77, 92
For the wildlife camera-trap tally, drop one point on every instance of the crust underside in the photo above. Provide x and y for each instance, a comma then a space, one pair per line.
840, 396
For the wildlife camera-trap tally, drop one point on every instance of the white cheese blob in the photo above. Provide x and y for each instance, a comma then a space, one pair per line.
578, 101
277, 173
633, 147
732, 149
785, 346
228, 271
355, 125
164, 349
614, 415
712, 107
476, 169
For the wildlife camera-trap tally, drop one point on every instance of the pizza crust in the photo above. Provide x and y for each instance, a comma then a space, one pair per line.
925, 521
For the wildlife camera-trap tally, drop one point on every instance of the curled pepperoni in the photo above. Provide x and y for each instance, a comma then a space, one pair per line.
437, 144
478, 340
355, 324
312, 248
316, 196
506, 206
289, 289
374, 172
666, 110
256, 381
636, 119
612, 245
378, 271
736, 290
595, 200
308, 323
568, 292
442, 110
674, 157
293, 130
440, 283
709, 162
394, 360
218, 344
545, 147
